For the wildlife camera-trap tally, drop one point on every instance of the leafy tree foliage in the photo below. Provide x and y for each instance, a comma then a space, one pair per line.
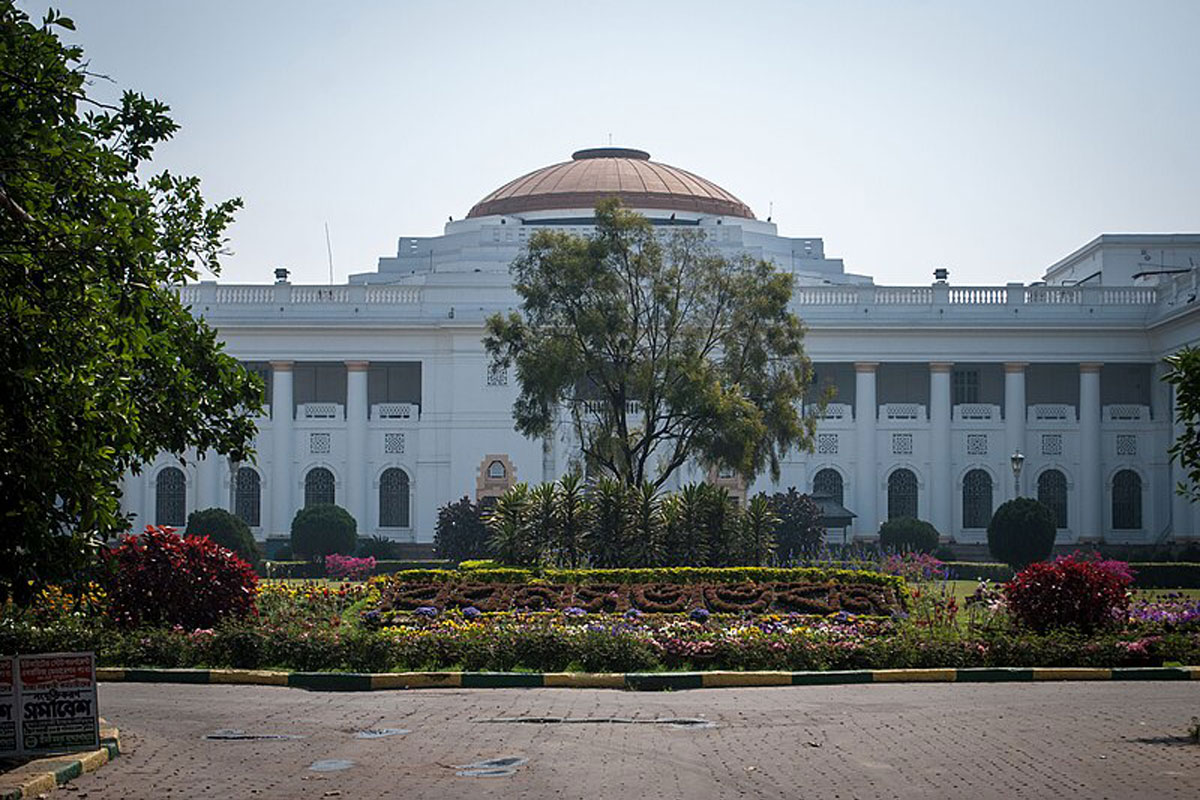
1021, 532
907, 534
1184, 376
799, 531
101, 367
657, 349
323, 529
461, 534
226, 530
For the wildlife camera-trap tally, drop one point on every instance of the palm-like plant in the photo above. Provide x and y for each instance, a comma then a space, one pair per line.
756, 538
509, 524
684, 514
574, 518
609, 523
645, 534
543, 521
718, 524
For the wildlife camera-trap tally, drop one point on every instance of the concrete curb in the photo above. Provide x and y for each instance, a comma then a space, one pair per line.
636, 681
45, 774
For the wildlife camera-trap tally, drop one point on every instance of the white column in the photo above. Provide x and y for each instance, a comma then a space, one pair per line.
941, 481
133, 500
208, 482
866, 467
1091, 492
356, 443
283, 412
1014, 418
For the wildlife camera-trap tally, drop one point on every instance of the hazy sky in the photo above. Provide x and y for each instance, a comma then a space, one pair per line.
989, 137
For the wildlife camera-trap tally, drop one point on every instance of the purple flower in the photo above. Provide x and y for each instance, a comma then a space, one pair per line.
700, 615
426, 611
574, 611
632, 613
471, 612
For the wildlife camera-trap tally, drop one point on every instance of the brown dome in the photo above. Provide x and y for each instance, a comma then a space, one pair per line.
600, 172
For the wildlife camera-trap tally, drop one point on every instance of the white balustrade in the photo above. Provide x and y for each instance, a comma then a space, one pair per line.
320, 294
838, 411
978, 295
321, 411
1126, 412
902, 411
1050, 412
393, 294
1053, 295
825, 295
245, 294
975, 412
405, 411
903, 295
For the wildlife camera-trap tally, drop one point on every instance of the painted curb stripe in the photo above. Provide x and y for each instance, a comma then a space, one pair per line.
330, 681
502, 680
657, 681
713, 680
416, 680
994, 674
46, 774
914, 675
584, 680
1072, 674
167, 675
109, 674
1151, 674
250, 677
831, 677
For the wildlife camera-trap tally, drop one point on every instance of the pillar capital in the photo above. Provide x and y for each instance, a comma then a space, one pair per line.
357, 366
1015, 366
282, 366
866, 366
1090, 366
941, 366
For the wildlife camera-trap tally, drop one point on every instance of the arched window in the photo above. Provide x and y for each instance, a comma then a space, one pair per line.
318, 487
496, 470
828, 482
1126, 501
393, 499
170, 498
1052, 493
976, 499
247, 496
902, 494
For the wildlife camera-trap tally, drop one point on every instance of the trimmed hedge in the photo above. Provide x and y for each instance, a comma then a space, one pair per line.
1146, 574
680, 575
314, 569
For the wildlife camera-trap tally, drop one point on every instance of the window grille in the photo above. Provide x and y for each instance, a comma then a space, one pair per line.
1052, 493
1126, 501
1052, 444
827, 444
964, 384
902, 494
393, 443
977, 499
977, 444
393, 499
1126, 444
170, 498
248, 496
318, 487
902, 444
319, 443
828, 482
497, 470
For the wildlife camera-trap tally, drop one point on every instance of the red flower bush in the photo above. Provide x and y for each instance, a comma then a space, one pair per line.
349, 568
1070, 592
161, 578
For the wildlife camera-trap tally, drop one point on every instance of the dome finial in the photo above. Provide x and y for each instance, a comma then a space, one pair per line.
610, 152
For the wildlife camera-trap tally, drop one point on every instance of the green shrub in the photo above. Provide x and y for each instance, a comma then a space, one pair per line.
379, 548
906, 534
461, 534
321, 529
1021, 532
226, 530
478, 563
799, 530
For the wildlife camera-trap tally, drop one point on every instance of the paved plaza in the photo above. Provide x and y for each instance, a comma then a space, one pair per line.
861, 741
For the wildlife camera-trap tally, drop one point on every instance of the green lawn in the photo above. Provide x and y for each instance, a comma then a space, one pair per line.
963, 589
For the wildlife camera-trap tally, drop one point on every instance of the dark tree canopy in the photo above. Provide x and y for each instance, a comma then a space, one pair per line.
101, 367
1184, 377
657, 350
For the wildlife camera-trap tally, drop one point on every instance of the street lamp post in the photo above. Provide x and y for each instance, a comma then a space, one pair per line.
1018, 460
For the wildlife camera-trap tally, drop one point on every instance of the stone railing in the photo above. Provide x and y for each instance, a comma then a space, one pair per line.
976, 412
1125, 412
403, 411
838, 411
1050, 412
946, 295
320, 411
211, 293
902, 411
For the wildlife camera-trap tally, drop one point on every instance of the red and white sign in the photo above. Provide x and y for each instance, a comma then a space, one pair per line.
9, 739
56, 702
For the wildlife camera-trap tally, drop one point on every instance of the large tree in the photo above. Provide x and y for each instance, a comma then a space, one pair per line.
1184, 377
101, 367
656, 349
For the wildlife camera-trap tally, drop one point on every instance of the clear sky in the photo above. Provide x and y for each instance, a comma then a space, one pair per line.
988, 137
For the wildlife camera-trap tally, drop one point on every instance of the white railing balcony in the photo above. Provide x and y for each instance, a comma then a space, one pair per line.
976, 412
402, 411
600, 407
320, 411
838, 411
1125, 412
1050, 412
902, 411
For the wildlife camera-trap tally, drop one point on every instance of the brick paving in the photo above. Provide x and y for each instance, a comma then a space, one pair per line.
1074, 740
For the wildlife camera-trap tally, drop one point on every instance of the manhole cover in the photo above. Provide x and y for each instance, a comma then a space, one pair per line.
330, 765
241, 736
485, 773
381, 733
670, 722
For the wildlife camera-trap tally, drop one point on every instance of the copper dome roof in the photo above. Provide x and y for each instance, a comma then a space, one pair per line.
600, 172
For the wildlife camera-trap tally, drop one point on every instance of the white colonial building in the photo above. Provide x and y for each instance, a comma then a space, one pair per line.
380, 397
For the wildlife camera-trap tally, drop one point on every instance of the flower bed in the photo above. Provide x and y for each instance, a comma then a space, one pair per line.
822, 598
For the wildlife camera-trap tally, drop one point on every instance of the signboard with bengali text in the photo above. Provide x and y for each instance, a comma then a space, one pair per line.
8, 706
56, 703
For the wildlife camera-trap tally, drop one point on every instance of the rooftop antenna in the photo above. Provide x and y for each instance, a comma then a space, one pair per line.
770, 209
610, 140
329, 252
